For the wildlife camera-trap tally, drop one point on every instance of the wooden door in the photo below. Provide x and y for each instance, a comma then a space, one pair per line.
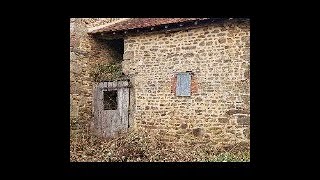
111, 108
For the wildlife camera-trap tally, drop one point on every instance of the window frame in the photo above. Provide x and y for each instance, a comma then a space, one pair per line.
116, 99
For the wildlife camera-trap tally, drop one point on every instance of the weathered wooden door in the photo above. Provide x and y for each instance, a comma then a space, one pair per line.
111, 106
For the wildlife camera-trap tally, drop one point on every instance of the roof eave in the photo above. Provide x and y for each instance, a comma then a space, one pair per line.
165, 28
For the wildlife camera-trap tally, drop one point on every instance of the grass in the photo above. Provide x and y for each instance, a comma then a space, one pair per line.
142, 146
231, 157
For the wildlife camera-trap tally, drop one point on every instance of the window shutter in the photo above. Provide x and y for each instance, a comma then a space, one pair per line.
183, 84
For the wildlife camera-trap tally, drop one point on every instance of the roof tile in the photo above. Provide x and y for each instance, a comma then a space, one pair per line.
134, 23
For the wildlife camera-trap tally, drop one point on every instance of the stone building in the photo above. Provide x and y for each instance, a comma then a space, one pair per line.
187, 79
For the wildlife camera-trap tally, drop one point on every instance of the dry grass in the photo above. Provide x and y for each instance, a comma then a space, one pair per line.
140, 146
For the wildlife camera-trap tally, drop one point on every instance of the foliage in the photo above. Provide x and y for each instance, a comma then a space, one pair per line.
106, 71
142, 146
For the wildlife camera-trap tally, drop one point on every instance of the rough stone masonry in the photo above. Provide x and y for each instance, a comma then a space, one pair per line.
84, 53
218, 56
219, 105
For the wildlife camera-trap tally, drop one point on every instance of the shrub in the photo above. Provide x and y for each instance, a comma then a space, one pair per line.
106, 71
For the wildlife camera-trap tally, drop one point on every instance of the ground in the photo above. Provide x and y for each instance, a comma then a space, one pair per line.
139, 146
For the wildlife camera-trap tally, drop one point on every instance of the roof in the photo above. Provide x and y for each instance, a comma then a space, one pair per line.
136, 23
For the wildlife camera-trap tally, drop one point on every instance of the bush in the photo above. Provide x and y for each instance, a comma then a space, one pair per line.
106, 72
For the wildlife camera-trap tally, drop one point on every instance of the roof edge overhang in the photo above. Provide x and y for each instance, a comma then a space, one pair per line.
163, 28
93, 29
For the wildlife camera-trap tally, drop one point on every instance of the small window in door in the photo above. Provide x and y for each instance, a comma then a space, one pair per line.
183, 84
110, 100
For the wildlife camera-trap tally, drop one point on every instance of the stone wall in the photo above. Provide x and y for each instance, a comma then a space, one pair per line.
219, 106
84, 53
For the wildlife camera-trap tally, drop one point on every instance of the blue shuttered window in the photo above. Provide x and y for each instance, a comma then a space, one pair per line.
183, 84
